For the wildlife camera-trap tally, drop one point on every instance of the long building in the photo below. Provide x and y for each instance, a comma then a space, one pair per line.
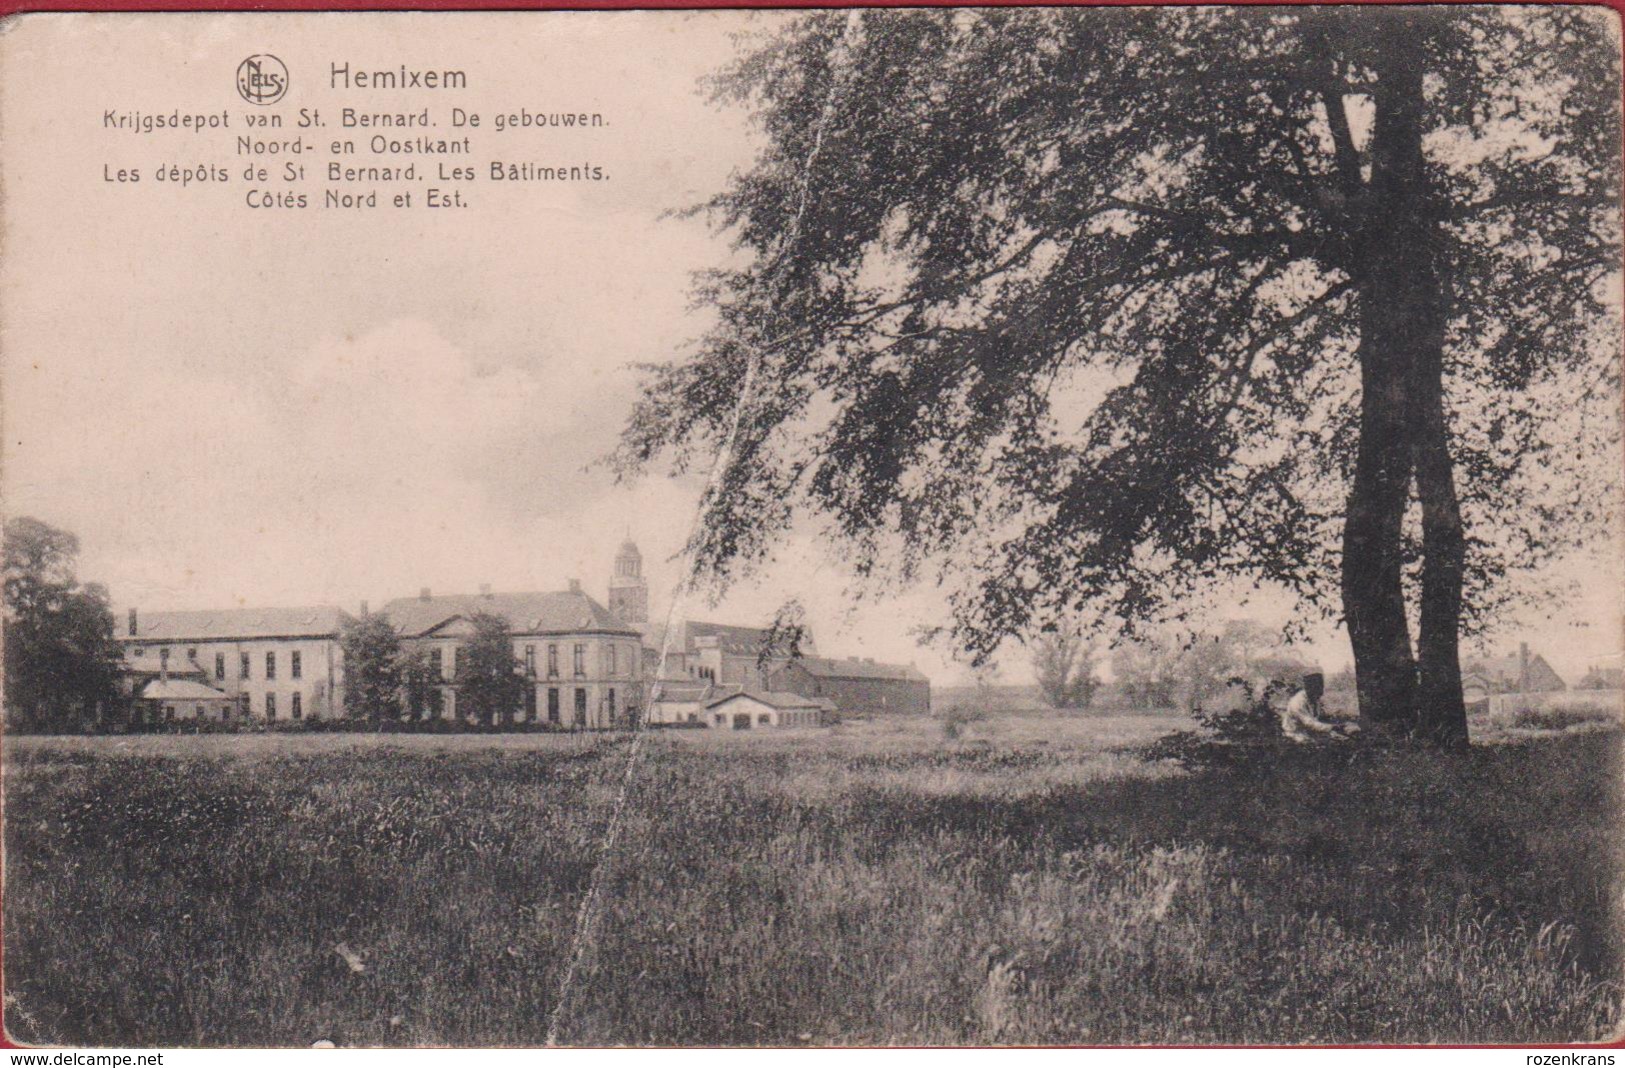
584, 665
275, 663
857, 687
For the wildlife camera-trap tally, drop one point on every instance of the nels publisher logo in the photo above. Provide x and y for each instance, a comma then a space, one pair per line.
262, 79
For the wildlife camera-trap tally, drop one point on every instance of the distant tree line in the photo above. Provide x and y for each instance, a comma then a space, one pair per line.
1160, 669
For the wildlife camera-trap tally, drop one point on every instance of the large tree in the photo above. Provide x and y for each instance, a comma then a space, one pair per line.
61, 660
1064, 662
489, 686
1093, 307
375, 666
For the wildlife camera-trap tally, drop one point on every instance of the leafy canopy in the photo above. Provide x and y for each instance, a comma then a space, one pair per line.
1063, 303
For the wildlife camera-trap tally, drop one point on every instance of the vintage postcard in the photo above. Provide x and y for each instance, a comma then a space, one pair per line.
861, 527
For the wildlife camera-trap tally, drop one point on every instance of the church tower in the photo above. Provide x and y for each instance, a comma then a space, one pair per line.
628, 591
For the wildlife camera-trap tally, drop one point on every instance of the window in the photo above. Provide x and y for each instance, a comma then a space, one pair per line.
197, 712
191, 654
219, 665
530, 704
530, 663
553, 704
296, 665
457, 662
270, 665
581, 707
552, 661
451, 704
242, 666
763, 719
437, 702
298, 704
440, 661
609, 703
580, 661
270, 706
136, 650
610, 652
719, 718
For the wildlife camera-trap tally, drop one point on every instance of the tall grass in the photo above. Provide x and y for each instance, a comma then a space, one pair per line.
814, 889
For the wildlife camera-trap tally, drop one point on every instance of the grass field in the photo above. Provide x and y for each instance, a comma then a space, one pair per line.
1030, 882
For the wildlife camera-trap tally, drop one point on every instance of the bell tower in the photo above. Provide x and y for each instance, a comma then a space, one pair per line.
628, 591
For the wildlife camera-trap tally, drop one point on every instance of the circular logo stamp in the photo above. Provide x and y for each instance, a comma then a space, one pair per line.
262, 79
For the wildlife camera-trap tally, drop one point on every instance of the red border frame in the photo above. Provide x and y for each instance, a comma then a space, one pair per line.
17, 7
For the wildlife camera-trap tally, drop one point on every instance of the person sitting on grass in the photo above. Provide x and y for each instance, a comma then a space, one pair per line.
1300, 719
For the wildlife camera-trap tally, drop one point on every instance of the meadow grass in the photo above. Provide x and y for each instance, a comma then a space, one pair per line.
1031, 882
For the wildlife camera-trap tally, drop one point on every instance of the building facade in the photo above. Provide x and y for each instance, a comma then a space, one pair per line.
857, 687
274, 663
583, 668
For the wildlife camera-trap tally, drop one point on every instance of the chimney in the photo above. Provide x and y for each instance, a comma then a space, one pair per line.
485, 590
1523, 667
132, 623
423, 594
364, 612
575, 585
163, 664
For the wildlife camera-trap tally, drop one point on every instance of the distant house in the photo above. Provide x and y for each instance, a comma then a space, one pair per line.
754, 708
857, 687
1520, 672
1602, 678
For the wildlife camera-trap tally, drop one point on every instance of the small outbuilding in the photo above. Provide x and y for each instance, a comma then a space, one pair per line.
172, 699
753, 708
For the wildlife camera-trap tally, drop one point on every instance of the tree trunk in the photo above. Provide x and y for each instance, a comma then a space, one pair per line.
1441, 711
1401, 341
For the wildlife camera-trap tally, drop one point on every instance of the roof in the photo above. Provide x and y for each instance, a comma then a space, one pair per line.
563, 612
181, 690
772, 700
227, 623
735, 640
687, 691
852, 668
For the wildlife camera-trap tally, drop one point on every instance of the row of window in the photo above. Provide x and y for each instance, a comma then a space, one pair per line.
296, 663
444, 703
578, 660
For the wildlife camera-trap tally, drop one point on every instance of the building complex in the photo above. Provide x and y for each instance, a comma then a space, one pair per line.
585, 665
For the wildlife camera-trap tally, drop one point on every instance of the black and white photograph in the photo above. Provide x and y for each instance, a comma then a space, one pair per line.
858, 527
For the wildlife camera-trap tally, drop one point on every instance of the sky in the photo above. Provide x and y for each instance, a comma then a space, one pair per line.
259, 406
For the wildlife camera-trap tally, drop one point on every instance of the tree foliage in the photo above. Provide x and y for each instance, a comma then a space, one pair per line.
374, 666
1085, 309
489, 686
61, 660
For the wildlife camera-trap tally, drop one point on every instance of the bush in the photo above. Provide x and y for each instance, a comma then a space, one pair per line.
957, 718
1562, 717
